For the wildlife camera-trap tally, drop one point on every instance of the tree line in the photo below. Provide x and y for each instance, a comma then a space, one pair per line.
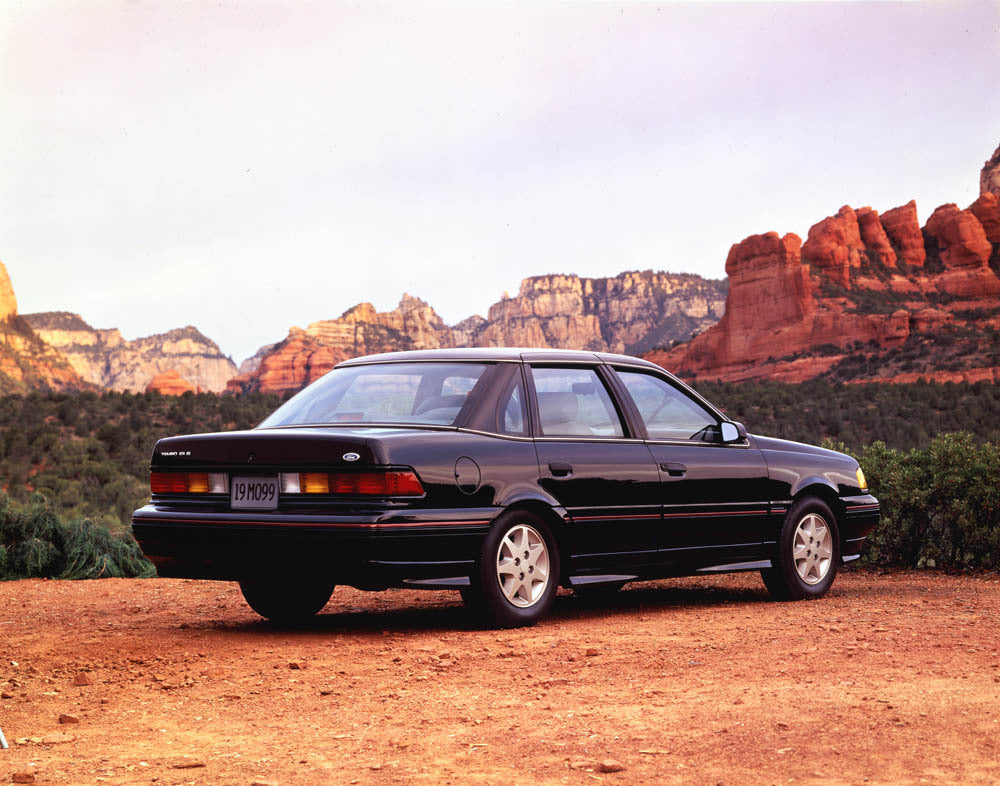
73, 466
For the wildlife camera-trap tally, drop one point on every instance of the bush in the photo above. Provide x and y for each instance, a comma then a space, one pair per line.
940, 504
35, 543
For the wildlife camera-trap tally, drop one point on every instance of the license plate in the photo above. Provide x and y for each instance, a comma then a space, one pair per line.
253, 493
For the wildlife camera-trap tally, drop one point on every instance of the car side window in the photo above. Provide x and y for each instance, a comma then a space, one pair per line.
667, 411
574, 402
513, 416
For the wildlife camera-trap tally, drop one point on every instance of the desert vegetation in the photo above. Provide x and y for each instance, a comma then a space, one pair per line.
73, 466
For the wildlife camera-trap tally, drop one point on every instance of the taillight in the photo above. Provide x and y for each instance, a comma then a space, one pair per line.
373, 484
188, 482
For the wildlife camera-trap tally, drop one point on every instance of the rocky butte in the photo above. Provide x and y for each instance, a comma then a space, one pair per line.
26, 360
864, 297
105, 359
632, 312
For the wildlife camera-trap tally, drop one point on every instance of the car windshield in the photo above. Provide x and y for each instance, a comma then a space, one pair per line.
417, 393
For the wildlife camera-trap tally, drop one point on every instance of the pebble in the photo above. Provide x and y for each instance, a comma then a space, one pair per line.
611, 765
186, 764
68, 718
295, 665
23, 777
82, 679
259, 782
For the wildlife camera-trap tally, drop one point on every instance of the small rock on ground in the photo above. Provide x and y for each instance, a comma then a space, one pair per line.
611, 765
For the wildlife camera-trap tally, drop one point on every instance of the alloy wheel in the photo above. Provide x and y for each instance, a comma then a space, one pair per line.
812, 548
522, 565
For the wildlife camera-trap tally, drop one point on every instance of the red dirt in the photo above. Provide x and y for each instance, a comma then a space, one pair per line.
890, 679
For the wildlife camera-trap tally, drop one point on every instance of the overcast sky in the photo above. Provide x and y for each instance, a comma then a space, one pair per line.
249, 166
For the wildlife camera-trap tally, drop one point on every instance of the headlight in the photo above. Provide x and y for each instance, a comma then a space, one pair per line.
862, 483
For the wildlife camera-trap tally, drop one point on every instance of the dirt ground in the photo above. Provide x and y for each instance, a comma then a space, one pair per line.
890, 679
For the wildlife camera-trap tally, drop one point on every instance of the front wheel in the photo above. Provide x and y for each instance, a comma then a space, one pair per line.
808, 552
286, 599
517, 573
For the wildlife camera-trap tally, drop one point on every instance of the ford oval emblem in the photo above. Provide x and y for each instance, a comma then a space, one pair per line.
351, 457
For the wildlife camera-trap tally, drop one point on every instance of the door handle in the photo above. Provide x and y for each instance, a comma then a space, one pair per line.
673, 469
560, 469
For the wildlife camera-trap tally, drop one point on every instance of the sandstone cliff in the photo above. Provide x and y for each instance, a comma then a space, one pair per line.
26, 361
989, 178
632, 312
105, 359
864, 297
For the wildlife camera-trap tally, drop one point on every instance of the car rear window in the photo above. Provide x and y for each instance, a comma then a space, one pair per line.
416, 393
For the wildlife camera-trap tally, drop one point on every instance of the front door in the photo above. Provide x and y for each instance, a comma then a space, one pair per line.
714, 495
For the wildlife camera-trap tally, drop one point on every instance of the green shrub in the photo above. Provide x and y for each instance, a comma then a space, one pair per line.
35, 543
940, 504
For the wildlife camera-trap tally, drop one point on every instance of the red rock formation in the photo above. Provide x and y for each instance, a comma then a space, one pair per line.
965, 253
874, 237
989, 178
170, 383
834, 246
781, 321
903, 229
987, 210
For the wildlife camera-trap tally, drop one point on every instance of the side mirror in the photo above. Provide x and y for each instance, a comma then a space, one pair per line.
733, 432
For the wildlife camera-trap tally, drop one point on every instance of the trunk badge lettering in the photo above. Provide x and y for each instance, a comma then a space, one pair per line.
351, 457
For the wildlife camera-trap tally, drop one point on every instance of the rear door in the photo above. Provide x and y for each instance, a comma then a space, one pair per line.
714, 495
601, 473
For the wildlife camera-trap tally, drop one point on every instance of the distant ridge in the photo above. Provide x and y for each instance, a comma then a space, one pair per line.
631, 312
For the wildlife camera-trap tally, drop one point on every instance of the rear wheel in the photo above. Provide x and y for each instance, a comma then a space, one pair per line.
808, 552
517, 573
286, 599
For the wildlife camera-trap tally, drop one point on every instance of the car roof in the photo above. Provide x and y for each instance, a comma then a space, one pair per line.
501, 354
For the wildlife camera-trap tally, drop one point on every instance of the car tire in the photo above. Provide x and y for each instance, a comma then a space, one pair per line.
286, 599
517, 573
808, 552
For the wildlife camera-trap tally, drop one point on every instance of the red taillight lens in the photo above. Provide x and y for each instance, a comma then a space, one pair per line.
168, 482
369, 484
188, 483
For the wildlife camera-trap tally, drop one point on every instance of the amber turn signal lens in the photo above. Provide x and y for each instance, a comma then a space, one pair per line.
198, 482
862, 483
314, 483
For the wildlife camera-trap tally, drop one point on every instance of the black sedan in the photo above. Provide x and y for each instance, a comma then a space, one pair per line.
501, 473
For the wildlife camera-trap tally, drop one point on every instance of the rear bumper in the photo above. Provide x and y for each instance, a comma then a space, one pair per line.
377, 550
